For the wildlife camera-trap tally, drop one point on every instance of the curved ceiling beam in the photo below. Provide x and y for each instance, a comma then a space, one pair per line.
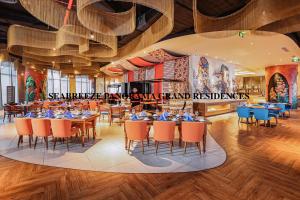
108, 23
256, 14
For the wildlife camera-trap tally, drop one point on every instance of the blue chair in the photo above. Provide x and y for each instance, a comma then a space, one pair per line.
263, 114
244, 112
283, 108
288, 108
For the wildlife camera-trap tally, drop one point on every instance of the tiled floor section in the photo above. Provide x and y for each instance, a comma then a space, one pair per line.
107, 153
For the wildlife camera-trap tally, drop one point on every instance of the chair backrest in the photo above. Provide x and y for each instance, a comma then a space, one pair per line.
118, 110
136, 130
164, 130
7, 108
261, 113
61, 127
282, 106
243, 111
104, 107
93, 105
41, 127
192, 131
23, 126
46, 104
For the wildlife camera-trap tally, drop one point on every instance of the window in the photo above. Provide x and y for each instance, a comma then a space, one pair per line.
57, 83
8, 78
84, 84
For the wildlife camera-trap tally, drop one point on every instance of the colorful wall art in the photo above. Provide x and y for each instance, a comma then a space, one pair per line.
211, 75
35, 85
278, 89
281, 84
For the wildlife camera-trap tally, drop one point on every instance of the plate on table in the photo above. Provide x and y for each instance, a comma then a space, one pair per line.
146, 119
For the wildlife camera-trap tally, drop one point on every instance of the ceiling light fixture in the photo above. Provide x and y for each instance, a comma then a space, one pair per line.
92, 36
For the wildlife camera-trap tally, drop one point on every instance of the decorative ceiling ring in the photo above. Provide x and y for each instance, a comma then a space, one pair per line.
158, 30
108, 23
254, 15
52, 13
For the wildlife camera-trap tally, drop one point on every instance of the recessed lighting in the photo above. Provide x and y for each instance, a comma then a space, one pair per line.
206, 54
230, 61
269, 53
69, 61
54, 49
92, 36
216, 57
252, 43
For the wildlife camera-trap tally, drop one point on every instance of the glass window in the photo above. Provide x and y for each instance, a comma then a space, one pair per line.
57, 83
83, 84
8, 78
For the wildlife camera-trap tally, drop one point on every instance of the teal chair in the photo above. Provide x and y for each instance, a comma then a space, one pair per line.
283, 109
263, 114
244, 112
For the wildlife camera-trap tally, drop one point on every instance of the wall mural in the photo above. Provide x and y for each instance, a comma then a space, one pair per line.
211, 75
35, 85
278, 89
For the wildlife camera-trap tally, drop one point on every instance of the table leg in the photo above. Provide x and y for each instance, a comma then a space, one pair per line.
204, 138
180, 136
126, 139
82, 134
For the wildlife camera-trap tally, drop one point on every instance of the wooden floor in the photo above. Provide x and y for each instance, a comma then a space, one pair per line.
263, 163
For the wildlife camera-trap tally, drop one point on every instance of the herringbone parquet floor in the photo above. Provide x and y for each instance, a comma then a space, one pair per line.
263, 163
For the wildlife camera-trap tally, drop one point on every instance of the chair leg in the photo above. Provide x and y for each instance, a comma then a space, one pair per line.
239, 120
54, 144
143, 146
46, 141
185, 147
67, 140
199, 147
20, 139
171, 149
4, 117
94, 133
128, 147
157, 143
265, 123
36, 138
30, 141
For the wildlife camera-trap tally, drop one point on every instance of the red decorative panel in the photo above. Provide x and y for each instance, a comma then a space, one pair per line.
140, 62
35, 85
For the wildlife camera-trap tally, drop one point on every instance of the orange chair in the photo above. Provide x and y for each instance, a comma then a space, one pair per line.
136, 130
192, 132
46, 104
41, 128
104, 110
93, 105
117, 112
62, 128
23, 126
164, 131
91, 125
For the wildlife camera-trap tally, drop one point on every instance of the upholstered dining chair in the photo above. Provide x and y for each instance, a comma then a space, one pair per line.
136, 131
164, 131
23, 126
62, 128
91, 125
192, 132
103, 110
41, 128
93, 105
117, 112
263, 114
8, 111
244, 112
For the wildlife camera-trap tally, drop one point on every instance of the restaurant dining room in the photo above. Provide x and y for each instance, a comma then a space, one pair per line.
150, 99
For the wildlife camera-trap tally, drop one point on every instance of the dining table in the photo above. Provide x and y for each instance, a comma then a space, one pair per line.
150, 121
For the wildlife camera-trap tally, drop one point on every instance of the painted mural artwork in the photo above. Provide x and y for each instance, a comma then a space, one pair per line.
35, 85
212, 75
278, 89
201, 76
222, 82
30, 89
